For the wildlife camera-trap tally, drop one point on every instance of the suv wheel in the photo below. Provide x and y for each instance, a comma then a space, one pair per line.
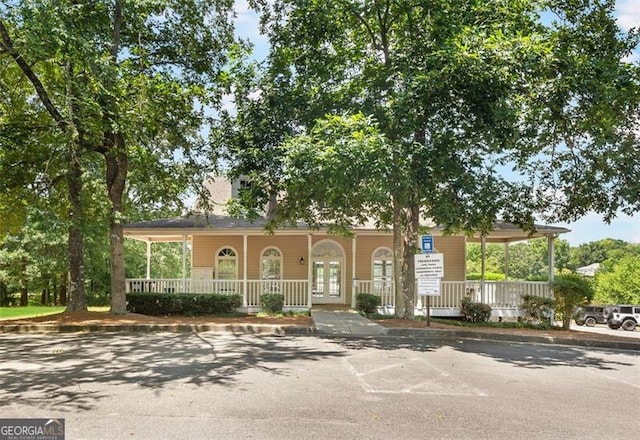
629, 325
590, 321
614, 326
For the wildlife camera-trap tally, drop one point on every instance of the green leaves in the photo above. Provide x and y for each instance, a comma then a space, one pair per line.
333, 175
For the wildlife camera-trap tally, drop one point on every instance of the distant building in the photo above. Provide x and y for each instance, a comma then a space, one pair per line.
588, 271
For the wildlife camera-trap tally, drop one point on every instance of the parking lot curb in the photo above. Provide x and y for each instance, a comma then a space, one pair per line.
237, 329
507, 337
281, 330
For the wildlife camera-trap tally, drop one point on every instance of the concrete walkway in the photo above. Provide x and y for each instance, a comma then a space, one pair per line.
344, 322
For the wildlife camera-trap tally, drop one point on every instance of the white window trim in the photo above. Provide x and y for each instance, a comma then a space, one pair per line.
218, 258
373, 259
279, 258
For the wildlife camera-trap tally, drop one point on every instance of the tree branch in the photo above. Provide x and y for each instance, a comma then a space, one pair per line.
7, 43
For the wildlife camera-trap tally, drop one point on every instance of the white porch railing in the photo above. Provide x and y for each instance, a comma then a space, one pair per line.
500, 295
294, 291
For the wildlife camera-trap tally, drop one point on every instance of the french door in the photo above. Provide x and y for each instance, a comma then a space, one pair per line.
327, 273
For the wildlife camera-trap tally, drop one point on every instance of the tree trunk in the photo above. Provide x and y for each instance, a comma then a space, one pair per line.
63, 289
54, 291
77, 300
4, 298
44, 297
116, 161
24, 286
397, 259
410, 247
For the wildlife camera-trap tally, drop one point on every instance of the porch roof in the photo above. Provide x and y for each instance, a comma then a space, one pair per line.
176, 228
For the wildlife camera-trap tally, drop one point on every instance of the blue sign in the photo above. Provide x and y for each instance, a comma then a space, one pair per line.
427, 243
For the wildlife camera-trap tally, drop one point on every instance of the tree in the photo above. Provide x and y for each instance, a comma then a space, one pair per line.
619, 284
120, 79
587, 124
600, 251
494, 258
570, 291
438, 89
453, 88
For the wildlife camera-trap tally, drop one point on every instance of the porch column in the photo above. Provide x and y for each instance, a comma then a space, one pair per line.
353, 272
506, 261
245, 303
551, 255
184, 263
483, 248
309, 270
148, 260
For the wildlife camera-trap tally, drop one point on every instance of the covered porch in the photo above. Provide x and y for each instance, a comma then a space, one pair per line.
231, 256
504, 297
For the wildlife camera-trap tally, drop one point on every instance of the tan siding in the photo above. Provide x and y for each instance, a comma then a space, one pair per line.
292, 247
205, 248
367, 245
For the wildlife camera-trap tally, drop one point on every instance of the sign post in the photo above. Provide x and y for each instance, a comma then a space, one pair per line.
429, 269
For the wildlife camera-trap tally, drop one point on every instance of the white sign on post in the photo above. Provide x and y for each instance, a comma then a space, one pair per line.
429, 286
429, 265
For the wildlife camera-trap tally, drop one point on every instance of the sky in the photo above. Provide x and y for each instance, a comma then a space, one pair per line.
589, 228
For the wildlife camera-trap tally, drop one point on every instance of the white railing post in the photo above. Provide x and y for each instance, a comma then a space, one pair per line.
244, 271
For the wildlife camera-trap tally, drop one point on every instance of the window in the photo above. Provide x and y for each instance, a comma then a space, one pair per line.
271, 264
226, 264
382, 269
271, 270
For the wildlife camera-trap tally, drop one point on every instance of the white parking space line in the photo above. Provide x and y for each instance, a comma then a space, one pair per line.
411, 376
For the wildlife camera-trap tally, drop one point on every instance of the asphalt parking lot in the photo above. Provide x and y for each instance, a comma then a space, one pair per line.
202, 385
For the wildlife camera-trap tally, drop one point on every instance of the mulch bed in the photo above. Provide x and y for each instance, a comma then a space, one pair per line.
92, 318
86, 318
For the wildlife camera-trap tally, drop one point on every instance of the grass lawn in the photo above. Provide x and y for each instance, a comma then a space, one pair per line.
33, 311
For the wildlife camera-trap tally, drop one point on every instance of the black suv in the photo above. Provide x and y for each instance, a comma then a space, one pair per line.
590, 316
625, 316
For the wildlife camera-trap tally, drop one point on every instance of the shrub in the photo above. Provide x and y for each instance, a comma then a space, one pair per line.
571, 290
190, 304
473, 311
272, 302
537, 308
367, 304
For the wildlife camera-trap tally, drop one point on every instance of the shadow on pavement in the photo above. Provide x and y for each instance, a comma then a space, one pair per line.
72, 372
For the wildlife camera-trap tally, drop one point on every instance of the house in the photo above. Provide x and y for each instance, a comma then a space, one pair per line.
588, 271
312, 267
